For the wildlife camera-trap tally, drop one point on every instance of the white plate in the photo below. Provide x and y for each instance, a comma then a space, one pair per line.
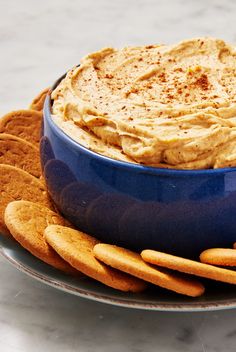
217, 296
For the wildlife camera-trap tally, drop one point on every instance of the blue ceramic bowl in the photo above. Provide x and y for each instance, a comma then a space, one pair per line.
176, 211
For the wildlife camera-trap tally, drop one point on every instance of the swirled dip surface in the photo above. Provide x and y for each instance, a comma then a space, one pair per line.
168, 106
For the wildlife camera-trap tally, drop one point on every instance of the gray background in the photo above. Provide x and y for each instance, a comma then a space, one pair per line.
39, 41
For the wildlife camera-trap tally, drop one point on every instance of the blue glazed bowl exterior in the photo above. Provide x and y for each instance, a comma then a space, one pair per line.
176, 211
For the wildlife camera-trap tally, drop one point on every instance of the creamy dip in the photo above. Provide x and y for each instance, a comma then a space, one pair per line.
160, 105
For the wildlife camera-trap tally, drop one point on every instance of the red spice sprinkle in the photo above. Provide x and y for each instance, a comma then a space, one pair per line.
179, 69
162, 77
202, 82
107, 75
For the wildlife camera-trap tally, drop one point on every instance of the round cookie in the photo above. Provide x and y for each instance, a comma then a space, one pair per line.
219, 256
189, 266
20, 153
27, 221
77, 249
38, 101
16, 184
132, 263
25, 124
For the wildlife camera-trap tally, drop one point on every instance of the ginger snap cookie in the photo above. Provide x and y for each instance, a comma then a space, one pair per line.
20, 153
76, 248
25, 124
27, 221
16, 184
132, 263
38, 101
189, 266
219, 256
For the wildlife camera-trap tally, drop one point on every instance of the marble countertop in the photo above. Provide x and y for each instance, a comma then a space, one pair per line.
39, 41
34, 318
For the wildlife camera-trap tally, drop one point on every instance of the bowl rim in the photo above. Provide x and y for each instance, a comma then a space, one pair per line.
139, 168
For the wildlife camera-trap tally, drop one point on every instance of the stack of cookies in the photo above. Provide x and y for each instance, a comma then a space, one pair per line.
28, 215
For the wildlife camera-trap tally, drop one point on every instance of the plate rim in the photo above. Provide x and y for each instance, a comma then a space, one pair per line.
103, 298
